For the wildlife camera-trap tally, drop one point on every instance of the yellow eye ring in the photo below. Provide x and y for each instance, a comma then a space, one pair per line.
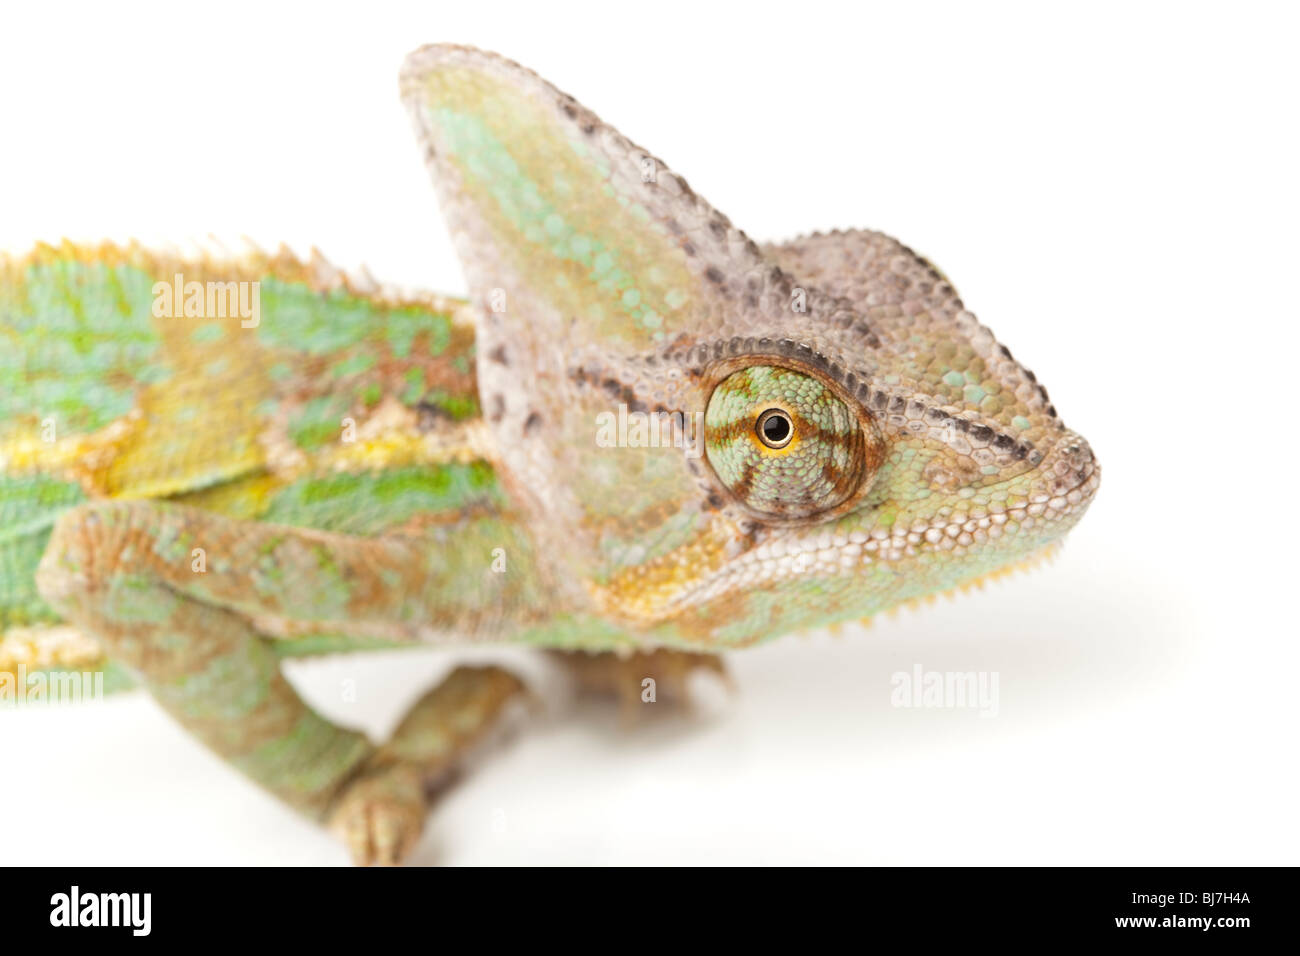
787, 446
774, 428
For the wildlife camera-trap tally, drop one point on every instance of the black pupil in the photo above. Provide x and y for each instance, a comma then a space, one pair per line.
776, 428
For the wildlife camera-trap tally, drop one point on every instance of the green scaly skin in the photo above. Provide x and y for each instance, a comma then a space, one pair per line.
186, 499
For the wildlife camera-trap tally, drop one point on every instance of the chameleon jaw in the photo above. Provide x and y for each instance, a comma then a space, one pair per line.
1011, 532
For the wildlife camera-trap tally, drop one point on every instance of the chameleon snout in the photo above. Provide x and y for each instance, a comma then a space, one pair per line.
1071, 470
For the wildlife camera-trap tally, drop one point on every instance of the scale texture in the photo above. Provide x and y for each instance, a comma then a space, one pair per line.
809, 432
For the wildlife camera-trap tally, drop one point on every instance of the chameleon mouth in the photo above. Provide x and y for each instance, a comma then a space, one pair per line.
1028, 523
1070, 471
1063, 485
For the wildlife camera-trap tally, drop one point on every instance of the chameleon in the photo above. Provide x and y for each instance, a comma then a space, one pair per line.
642, 439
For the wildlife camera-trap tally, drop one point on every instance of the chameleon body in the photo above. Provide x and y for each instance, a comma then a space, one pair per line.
820, 430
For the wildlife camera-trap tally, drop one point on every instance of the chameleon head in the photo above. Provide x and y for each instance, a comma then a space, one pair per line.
865, 495
714, 441
906, 455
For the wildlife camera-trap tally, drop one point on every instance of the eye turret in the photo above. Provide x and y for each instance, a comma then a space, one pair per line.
786, 445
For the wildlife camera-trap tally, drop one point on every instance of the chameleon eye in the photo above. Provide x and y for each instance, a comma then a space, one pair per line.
786, 445
775, 428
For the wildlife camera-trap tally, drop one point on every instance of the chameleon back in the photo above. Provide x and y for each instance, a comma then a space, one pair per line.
338, 406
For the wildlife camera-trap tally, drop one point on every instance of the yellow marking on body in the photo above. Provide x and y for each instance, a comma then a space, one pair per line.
391, 437
84, 459
48, 646
203, 422
647, 592
246, 498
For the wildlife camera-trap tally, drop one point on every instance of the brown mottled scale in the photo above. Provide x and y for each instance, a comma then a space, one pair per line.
918, 319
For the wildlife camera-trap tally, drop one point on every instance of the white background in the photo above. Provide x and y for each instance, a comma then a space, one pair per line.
1113, 190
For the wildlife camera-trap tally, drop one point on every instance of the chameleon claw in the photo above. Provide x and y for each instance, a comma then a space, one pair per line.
380, 814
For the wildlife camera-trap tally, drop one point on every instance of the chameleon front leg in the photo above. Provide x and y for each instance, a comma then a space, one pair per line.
640, 677
382, 812
172, 593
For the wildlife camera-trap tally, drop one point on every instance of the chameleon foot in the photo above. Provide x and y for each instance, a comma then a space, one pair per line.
642, 677
380, 813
